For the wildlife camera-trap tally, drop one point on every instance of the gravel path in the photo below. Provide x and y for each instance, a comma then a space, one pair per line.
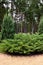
21, 60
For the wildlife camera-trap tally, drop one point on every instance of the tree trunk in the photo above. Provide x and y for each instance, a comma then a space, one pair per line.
32, 28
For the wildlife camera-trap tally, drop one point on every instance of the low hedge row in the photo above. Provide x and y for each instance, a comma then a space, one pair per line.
23, 44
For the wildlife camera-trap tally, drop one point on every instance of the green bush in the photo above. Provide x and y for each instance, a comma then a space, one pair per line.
7, 27
23, 44
0, 36
40, 28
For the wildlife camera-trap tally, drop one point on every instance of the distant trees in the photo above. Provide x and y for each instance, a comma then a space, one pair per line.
30, 10
2, 12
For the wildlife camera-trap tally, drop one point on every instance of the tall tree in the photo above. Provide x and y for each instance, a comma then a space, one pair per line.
2, 12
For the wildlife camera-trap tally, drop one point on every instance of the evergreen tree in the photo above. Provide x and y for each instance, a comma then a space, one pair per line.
40, 28
7, 27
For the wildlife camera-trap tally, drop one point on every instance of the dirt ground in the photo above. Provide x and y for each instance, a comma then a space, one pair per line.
21, 60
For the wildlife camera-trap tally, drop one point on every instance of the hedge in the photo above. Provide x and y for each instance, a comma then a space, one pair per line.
23, 44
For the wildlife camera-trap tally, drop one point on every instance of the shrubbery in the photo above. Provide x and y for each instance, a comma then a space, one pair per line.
40, 28
0, 36
23, 44
7, 27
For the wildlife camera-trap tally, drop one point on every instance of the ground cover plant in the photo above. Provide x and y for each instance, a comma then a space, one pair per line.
23, 44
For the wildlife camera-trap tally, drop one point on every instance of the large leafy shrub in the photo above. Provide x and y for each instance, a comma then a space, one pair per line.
40, 28
23, 44
7, 27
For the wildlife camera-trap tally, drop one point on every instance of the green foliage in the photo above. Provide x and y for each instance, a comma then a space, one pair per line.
2, 13
29, 8
23, 44
0, 36
7, 27
40, 29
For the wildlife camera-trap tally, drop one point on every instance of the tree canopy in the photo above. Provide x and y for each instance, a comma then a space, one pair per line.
32, 9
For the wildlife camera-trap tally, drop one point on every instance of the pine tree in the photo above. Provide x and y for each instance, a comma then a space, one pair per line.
40, 27
7, 27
